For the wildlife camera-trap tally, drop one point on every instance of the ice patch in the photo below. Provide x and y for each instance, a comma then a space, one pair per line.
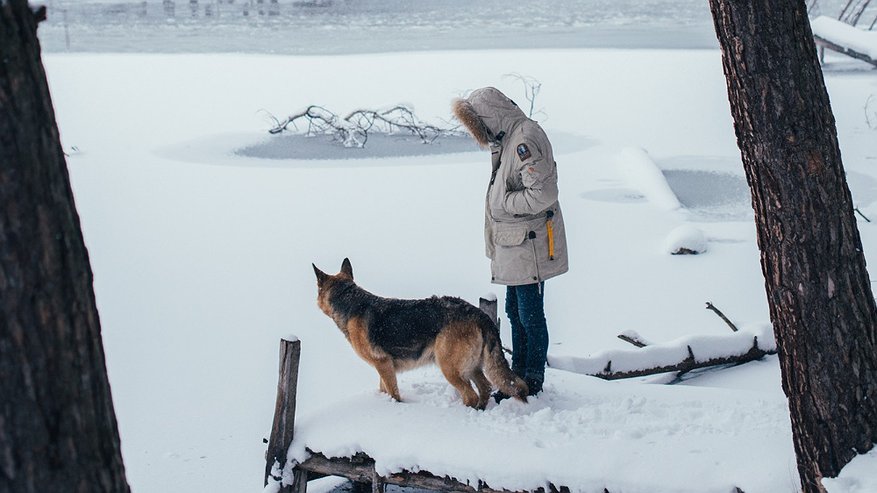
711, 195
258, 150
322, 147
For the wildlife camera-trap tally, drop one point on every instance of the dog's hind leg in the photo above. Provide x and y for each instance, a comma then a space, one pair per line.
388, 378
457, 351
455, 378
483, 386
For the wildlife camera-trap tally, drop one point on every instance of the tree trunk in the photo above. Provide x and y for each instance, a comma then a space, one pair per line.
818, 289
57, 426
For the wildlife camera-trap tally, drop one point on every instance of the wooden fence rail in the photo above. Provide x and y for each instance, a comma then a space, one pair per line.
360, 468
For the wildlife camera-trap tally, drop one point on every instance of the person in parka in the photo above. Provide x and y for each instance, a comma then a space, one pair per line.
523, 229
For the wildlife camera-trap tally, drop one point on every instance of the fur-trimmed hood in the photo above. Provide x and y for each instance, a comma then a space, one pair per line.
486, 113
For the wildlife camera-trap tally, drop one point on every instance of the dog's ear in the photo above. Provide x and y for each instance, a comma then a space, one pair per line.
346, 268
321, 276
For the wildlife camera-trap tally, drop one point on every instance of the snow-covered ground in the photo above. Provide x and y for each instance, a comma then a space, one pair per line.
202, 258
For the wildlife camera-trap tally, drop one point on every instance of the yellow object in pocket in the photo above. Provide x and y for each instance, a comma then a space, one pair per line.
549, 225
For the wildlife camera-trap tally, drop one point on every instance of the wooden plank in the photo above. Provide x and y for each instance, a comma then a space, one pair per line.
429, 481
843, 49
361, 469
284, 408
355, 470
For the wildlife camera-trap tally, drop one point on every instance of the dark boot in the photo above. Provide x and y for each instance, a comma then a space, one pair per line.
534, 384
500, 396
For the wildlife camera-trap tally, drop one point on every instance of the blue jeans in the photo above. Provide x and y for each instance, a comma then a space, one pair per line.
524, 307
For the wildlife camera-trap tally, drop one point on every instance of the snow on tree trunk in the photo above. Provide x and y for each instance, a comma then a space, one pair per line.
819, 292
58, 429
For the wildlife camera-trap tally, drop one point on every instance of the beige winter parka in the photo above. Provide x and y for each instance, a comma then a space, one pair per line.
523, 231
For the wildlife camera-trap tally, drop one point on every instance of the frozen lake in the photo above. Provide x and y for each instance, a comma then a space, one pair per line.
367, 26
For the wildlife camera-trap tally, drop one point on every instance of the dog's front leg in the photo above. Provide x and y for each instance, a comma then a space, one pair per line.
388, 378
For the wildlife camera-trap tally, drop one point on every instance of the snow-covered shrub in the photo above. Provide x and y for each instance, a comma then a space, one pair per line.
685, 240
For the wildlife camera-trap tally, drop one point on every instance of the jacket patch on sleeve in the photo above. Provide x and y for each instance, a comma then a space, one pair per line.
523, 152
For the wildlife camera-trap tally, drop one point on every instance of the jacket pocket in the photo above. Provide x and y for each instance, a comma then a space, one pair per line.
514, 261
509, 235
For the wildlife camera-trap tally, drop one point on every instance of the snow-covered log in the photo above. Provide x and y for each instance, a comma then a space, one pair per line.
843, 38
361, 469
681, 355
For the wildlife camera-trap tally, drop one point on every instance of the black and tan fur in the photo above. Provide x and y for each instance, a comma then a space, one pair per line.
395, 335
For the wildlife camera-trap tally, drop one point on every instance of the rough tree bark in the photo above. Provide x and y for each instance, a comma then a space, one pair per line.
57, 426
818, 290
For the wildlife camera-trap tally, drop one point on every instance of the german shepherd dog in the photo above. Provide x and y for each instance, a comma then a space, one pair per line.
395, 335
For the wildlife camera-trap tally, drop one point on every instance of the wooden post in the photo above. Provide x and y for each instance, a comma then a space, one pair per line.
284, 409
377, 483
360, 487
488, 306
299, 481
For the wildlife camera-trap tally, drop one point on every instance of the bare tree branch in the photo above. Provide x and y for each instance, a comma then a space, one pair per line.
710, 306
871, 109
353, 130
531, 89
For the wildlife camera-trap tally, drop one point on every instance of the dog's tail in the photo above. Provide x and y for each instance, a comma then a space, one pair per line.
496, 368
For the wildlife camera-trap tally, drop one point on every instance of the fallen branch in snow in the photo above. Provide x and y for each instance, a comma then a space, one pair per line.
353, 130
871, 114
843, 38
633, 339
682, 355
710, 306
687, 364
